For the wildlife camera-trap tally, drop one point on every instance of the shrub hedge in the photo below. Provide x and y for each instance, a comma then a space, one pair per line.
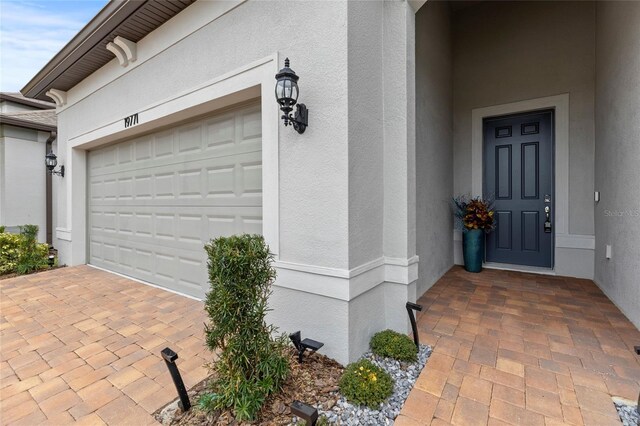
21, 253
251, 364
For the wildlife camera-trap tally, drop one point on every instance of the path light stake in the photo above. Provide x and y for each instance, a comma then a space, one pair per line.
305, 411
410, 308
170, 359
637, 349
303, 345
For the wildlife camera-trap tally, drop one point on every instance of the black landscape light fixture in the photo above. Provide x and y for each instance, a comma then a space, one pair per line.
170, 357
305, 411
51, 162
410, 308
51, 260
303, 345
287, 97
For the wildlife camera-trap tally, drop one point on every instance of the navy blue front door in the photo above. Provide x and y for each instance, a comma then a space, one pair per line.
518, 174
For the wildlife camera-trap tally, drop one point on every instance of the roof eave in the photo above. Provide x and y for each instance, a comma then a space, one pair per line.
25, 101
104, 22
27, 124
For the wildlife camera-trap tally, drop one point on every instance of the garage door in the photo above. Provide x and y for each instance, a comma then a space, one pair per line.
154, 201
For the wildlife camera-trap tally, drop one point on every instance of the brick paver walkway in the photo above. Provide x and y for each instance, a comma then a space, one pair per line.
79, 344
522, 349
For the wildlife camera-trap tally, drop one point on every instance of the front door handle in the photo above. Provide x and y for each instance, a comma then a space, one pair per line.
547, 221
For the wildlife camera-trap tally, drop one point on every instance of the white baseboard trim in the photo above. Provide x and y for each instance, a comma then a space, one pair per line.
346, 284
573, 256
577, 241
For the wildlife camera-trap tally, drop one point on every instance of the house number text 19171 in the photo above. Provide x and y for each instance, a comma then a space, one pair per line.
131, 120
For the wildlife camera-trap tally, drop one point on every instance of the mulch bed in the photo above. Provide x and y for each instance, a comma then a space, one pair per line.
314, 382
14, 275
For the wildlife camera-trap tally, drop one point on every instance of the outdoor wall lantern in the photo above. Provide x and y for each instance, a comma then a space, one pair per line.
287, 96
52, 161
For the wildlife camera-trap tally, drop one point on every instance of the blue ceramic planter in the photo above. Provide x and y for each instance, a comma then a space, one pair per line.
473, 249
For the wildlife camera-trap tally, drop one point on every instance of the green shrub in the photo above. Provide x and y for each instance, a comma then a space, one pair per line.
21, 253
2, 228
363, 383
251, 364
9, 252
391, 344
32, 256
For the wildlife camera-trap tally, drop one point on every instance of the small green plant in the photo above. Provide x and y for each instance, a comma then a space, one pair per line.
9, 252
251, 364
21, 253
2, 228
363, 383
205, 401
32, 256
391, 344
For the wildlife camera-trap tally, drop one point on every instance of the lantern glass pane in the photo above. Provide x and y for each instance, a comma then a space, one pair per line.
51, 161
280, 89
287, 89
294, 92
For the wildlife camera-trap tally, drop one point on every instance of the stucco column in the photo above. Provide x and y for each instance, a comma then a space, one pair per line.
399, 130
399, 156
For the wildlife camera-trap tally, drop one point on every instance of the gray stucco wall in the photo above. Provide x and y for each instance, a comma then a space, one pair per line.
22, 179
313, 167
346, 195
617, 169
511, 51
366, 139
434, 147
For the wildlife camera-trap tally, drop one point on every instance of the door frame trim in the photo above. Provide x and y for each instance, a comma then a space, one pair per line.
560, 105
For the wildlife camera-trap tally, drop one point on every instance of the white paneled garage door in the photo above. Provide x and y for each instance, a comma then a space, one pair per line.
154, 201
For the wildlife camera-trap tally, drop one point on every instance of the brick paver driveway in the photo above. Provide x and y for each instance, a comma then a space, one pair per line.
80, 344
512, 348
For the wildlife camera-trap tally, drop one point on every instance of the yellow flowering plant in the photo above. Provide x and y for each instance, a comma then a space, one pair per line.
364, 383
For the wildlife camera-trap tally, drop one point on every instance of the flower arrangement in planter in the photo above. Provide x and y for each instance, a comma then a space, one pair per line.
475, 215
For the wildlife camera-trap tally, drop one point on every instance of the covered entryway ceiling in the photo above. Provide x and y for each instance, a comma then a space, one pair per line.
155, 200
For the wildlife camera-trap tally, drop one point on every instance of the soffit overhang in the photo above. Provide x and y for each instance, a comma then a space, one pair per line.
87, 52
